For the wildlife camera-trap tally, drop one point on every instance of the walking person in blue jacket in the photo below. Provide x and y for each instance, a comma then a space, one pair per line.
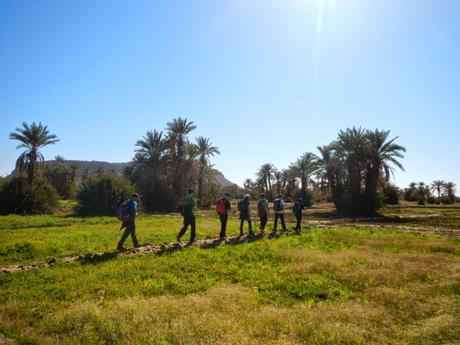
278, 206
129, 221
297, 210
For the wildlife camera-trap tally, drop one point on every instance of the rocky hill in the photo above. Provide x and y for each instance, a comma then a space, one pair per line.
91, 167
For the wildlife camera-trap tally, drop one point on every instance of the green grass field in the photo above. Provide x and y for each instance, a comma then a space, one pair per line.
338, 285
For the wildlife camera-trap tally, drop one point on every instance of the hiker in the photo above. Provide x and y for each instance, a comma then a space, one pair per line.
278, 206
222, 208
188, 205
297, 210
128, 212
245, 214
262, 209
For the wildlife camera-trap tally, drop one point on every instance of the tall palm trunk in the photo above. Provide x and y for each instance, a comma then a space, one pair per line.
303, 186
201, 179
372, 180
31, 166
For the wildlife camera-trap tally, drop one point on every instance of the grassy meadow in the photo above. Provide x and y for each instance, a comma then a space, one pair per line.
335, 285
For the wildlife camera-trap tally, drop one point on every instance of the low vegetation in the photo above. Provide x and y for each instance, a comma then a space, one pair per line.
19, 196
336, 285
102, 194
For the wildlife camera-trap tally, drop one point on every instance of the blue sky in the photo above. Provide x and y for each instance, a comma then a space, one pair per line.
266, 80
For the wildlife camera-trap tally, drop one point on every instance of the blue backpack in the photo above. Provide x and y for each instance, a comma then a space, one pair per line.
297, 208
277, 205
123, 211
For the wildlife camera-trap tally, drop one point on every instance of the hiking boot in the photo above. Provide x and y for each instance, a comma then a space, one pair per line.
121, 249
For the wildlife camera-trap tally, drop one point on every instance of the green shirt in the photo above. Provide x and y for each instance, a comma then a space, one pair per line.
262, 204
189, 205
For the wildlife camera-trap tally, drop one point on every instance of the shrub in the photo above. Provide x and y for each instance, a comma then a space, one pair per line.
431, 200
18, 196
308, 197
62, 179
101, 195
391, 195
446, 200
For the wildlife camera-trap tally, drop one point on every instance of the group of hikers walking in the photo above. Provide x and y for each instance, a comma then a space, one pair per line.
128, 210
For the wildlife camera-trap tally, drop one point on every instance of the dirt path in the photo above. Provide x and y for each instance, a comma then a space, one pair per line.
5, 341
145, 249
214, 242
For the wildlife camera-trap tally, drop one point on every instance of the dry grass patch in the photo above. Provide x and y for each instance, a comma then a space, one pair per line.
230, 315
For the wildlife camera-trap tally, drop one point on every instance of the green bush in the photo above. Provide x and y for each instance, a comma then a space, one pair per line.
18, 196
62, 179
446, 200
101, 195
391, 194
431, 200
307, 196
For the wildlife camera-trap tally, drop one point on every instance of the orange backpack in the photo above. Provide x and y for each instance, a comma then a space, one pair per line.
220, 207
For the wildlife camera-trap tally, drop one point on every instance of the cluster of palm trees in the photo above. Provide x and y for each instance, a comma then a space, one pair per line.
296, 180
167, 163
353, 170
444, 192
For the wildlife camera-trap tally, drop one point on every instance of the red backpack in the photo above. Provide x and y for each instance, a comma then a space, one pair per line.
220, 207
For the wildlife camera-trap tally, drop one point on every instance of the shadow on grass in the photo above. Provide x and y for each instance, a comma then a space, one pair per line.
166, 248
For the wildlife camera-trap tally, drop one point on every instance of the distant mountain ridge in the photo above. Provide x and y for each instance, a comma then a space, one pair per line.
92, 166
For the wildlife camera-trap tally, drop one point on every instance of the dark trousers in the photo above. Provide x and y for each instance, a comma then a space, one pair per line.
188, 220
281, 217
248, 219
130, 230
298, 225
223, 224
263, 222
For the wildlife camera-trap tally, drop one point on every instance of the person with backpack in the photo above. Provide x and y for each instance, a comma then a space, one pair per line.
297, 210
188, 204
262, 209
278, 206
245, 214
127, 213
222, 208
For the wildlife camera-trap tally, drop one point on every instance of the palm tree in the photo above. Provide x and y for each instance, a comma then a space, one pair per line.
304, 168
278, 175
327, 168
449, 189
151, 148
351, 149
178, 144
32, 138
204, 150
59, 159
382, 153
285, 174
437, 186
290, 182
423, 191
265, 176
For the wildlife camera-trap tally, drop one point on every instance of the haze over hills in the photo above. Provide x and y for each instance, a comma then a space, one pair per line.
91, 168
